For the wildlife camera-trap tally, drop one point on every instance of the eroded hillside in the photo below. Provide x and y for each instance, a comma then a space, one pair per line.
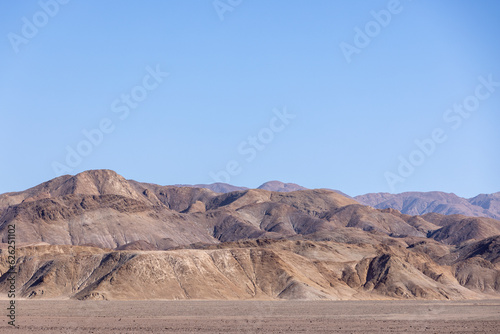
96, 235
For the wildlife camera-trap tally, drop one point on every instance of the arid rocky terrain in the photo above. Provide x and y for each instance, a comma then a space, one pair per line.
234, 317
412, 203
98, 236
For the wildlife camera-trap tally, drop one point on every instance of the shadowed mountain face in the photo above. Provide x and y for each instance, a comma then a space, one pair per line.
96, 235
419, 203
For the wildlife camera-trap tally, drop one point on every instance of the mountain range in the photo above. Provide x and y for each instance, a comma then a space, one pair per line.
411, 203
96, 235
418, 203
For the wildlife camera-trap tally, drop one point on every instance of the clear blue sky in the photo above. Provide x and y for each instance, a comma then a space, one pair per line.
353, 120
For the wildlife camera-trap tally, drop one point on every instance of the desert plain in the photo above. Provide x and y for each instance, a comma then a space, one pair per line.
190, 316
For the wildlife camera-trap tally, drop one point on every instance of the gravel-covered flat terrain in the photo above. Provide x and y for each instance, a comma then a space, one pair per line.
68, 316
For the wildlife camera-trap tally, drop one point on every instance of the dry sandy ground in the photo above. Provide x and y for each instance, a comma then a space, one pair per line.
67, 316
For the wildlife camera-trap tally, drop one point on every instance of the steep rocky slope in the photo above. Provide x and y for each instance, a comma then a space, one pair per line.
264, 270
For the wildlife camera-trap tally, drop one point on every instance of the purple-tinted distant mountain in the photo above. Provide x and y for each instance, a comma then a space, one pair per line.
218, 187
277, 186
289, 187
419, 203
227, 188
489, 202
281, 187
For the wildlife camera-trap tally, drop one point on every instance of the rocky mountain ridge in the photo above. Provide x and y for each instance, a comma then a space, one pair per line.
412, 203
96, 235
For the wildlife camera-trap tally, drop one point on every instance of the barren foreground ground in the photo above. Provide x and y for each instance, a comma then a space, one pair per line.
67, 316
